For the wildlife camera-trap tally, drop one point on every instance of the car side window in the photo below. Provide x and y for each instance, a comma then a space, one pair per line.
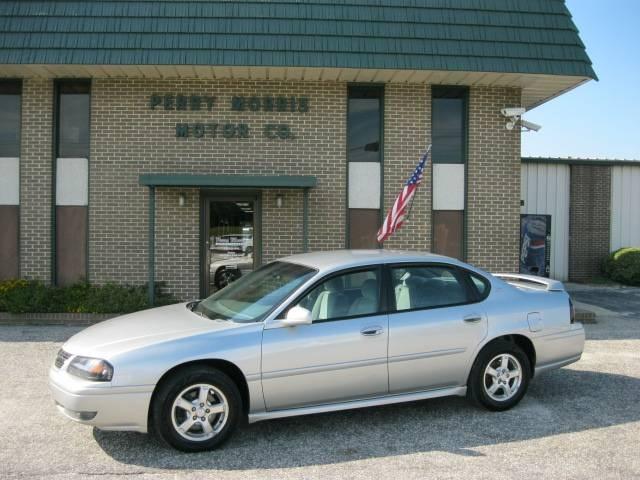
481, 285
342, 296
417, 287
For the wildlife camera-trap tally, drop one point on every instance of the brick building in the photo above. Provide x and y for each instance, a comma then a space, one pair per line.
189, 142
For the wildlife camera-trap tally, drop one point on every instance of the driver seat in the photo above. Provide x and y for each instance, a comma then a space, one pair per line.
332, 302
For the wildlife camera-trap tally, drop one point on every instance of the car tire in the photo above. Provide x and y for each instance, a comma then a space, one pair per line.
225, 276
196, 397
493, 383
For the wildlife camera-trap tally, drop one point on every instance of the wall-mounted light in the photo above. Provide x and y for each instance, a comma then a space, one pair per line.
181, 199
279, 201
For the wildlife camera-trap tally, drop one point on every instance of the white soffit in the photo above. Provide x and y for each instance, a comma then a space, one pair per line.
9, 181
364, 185
536, 88
72, 182
448, 186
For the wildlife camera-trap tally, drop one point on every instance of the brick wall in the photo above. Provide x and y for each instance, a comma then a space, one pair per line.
407, 132
493, 181
282, 226
127, 139
36, 165
589, 220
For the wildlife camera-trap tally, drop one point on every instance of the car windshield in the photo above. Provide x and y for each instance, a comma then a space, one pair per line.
253, 296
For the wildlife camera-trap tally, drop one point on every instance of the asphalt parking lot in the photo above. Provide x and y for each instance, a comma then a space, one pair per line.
577, 422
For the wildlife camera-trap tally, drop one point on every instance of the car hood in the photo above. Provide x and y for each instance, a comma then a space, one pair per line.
140, 329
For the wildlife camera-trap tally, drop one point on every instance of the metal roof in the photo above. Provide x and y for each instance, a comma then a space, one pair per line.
528, 44
582, 161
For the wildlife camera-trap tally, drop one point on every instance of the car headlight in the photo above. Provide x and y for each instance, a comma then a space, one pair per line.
93, 369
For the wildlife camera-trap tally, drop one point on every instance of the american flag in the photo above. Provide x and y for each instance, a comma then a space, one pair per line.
398, 212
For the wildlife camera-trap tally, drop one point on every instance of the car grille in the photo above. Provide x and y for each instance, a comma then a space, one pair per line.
61, 358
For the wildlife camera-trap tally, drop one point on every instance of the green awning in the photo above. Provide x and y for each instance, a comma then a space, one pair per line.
228, 181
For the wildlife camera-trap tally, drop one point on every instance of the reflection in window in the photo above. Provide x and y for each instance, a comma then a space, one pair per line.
73, 120
363, 124
10, 119
448, 124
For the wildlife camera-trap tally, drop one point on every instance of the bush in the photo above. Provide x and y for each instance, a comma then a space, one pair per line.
623, 266
22, 296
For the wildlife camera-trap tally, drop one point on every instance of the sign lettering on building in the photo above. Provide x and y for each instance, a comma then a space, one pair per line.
214, 129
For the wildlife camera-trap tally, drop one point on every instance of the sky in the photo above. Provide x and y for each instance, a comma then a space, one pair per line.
600, 119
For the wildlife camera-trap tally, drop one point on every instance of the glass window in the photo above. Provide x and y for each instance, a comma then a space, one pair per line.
9, 119
73, 120
481, 285
343, 296
364, 124
253, 296
448, 125
448, 227
418, 287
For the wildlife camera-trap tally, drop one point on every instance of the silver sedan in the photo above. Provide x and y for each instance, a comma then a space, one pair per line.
314, 333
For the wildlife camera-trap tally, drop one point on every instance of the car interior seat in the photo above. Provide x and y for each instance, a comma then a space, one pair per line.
332, 302
368, 302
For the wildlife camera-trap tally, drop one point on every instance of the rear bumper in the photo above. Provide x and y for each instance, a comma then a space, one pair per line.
105, 407
559, 349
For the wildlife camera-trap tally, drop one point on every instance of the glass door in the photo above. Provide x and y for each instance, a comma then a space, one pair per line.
229, 233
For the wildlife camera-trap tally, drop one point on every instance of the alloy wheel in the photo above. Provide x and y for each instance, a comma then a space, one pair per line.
502, 377
199, 412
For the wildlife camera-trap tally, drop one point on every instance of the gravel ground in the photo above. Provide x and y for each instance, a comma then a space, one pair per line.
577, 422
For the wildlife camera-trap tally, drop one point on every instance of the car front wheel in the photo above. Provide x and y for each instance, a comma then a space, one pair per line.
500, 376
197, 409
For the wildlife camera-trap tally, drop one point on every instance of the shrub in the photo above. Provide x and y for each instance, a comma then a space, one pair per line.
623, 266
22, 296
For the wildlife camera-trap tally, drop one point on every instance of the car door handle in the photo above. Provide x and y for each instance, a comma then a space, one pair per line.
472, 318
371, 331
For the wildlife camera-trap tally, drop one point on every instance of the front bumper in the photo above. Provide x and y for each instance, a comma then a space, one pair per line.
103, 406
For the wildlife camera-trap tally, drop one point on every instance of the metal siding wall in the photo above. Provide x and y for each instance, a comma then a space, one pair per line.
545, 191
625, 199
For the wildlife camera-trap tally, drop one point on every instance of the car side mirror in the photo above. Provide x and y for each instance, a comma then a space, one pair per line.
297, 316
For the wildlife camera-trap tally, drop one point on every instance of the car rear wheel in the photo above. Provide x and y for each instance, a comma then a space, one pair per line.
196, 410
500, 376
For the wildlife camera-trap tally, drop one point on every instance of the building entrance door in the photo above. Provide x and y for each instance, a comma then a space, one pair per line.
230, 240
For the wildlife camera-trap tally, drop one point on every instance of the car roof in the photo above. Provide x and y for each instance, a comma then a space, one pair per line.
333, 259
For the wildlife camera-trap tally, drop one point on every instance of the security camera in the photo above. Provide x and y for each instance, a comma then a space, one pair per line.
530, 125
513, 112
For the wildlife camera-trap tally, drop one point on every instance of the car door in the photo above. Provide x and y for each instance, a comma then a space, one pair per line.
341, 355
436, 322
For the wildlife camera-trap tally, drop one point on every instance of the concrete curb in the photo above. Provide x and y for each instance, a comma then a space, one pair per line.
54, 318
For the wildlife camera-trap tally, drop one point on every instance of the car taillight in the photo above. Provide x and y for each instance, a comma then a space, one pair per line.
573, 312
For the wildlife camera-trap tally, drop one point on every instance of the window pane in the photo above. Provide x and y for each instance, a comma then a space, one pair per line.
9, 125
253, 296
428, 287
448, 226
363, 227
482, 285
344, 296
363, 126
448, 130
74, 125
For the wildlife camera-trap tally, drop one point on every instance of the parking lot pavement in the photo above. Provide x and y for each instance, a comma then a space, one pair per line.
578, 422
